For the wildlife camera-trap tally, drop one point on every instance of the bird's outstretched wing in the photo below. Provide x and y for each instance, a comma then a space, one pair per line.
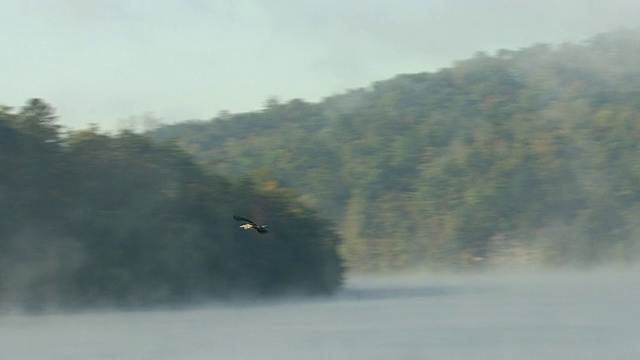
262, 229
240, 218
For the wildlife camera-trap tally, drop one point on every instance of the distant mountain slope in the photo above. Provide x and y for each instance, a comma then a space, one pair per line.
533, 149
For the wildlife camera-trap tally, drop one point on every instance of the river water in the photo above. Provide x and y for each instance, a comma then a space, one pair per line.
516, 315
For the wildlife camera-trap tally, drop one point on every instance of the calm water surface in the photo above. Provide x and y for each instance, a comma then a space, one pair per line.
590, 315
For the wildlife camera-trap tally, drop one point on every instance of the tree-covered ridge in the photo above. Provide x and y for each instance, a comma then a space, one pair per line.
534, 149
91, 219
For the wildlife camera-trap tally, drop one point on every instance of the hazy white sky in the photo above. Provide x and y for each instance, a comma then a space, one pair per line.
101, 61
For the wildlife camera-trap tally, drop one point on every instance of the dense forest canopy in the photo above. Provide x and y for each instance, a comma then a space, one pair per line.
525, 155
529, 155
91, 219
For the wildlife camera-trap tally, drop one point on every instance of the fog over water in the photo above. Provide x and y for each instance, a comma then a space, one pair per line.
524, 315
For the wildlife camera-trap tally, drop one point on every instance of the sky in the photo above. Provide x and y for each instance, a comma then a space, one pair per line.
106, 62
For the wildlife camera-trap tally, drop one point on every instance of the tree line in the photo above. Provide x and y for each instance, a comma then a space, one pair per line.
95, 219
531, 152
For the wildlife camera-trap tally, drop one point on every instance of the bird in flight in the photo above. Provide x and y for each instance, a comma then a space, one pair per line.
250, 225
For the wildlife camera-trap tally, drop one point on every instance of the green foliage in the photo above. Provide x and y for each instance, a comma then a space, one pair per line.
92, 219
432, 168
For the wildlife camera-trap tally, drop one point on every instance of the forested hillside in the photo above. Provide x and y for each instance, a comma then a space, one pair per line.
91, 219
529, 154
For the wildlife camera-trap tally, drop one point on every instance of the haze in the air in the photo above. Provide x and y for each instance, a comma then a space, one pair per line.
104, 62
